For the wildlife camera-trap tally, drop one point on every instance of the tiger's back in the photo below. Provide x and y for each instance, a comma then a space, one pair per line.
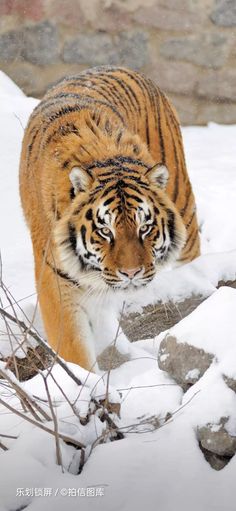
136, 103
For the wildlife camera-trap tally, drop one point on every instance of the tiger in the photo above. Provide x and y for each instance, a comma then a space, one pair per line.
106, 196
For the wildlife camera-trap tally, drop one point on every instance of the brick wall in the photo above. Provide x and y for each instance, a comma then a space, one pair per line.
187, 46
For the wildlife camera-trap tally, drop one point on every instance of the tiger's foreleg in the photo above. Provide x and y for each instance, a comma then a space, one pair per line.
65, 320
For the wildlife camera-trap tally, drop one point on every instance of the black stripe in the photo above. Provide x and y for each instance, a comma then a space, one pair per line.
177, 131
149, 91
83, 231
108, 201
116, 162
89, 214
131, 186
147, 131
119, 136
55, 211
171, 224
51, 101
72, 236
113, 93
187, 195
191, 219
85, 150
176, 182
157, 235
116, 172
65, 164
161, 138
76, 108
136, 77
109, 174
87, 102
135, 197
30, 146
193, 241
129, 92
102, 92
63, 275
163, 229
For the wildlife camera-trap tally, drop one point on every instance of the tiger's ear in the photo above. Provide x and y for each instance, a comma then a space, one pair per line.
80, 179
158, 175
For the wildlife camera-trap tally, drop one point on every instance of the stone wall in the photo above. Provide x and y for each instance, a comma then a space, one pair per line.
187, 46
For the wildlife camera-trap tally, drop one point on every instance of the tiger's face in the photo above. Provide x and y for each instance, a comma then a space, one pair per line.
120, 231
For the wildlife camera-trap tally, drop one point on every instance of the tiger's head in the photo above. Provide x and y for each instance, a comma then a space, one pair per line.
121, 227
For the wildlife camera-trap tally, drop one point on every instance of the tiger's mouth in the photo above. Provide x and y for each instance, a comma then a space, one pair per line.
131, 286
128, 283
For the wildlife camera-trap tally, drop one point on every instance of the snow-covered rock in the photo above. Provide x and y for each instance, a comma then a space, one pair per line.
216, 439
184, 362
207, 333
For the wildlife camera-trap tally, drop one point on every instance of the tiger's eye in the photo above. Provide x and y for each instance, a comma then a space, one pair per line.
106, 231
144, 228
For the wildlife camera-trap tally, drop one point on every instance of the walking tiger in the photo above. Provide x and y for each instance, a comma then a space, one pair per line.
106, 195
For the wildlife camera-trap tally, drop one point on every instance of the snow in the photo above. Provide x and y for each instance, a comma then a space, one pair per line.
193, 373
161, 468
8, 87
212, 325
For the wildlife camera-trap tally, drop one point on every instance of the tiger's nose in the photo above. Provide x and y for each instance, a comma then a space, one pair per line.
130, 272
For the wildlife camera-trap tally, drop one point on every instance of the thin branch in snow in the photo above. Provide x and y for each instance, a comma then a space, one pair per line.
55, 422
40, 425
19, 119
8, 436
43, 343
149, 386
3, 447
23, 396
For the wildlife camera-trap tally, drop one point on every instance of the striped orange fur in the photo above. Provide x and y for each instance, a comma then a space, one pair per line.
106, 196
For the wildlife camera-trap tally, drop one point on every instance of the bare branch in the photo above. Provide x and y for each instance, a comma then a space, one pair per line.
66, 438
8, 436
55, 422
3, 447
22, 394
42, 342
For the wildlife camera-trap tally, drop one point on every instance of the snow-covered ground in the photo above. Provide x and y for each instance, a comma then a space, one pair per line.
162, 469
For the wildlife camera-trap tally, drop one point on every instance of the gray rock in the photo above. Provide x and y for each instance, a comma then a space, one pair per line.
156, 318
11, 45
92, 49
179, 77
217, 462
111, 358
111, 18
216, 439
218, 112
188, 109
230, 382
101, 48
224, 13
132, 48
229, 283
169, 17
218, 85
159, 317
185, 363
41, 44
209, 50
34, 80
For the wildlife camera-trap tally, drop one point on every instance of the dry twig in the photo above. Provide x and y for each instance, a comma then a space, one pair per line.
55, 422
